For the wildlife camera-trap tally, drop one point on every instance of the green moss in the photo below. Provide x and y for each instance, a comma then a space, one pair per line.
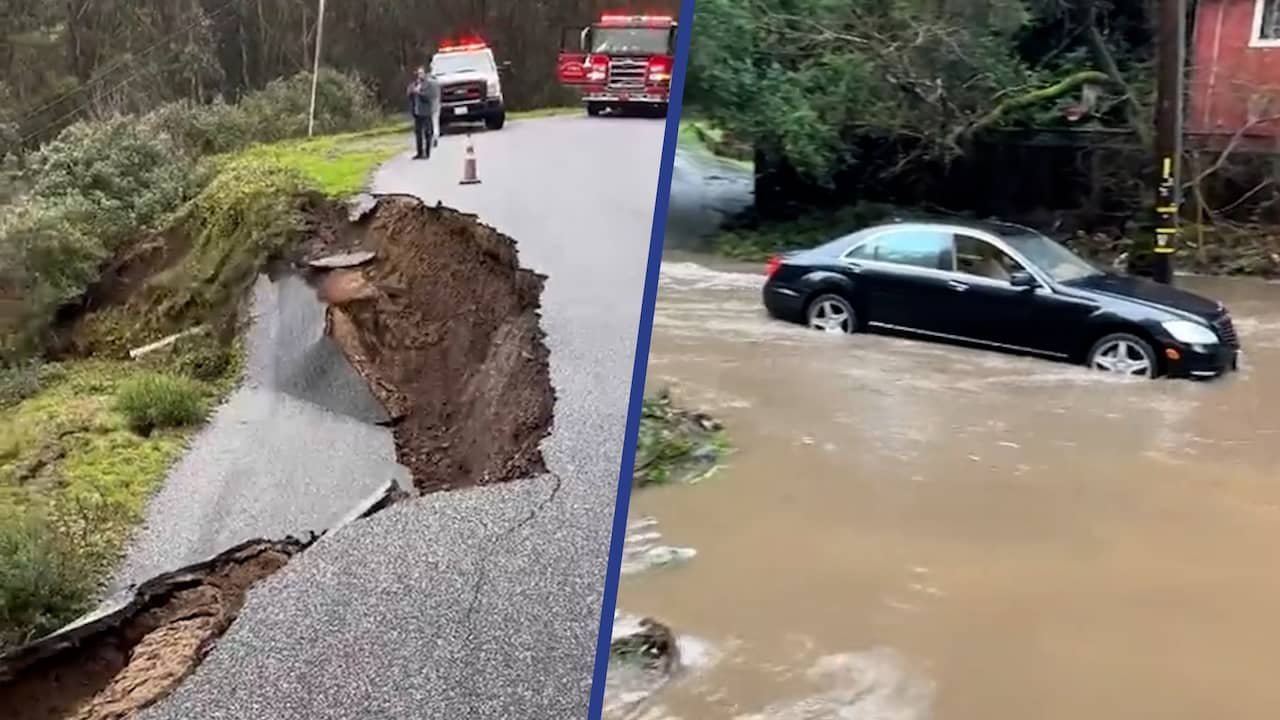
676, 445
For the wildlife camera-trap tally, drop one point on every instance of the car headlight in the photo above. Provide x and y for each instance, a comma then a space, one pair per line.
494, 90
1190, 333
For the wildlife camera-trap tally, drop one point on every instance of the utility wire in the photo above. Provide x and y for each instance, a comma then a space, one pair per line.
111, 67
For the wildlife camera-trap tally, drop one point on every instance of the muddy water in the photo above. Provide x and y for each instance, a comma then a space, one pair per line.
910, 530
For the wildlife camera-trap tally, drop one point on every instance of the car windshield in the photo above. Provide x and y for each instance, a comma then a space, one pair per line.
1052, 258
630, 41
449, 63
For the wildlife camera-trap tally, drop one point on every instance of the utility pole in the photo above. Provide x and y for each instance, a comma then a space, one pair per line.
315, 71
1171, 63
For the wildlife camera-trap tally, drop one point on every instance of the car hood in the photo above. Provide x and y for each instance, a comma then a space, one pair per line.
1151, 294
464, 76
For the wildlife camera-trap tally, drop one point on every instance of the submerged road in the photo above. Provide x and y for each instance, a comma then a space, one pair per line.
481, 603
909, 530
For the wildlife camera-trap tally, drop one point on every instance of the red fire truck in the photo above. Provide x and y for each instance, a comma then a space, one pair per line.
620, 62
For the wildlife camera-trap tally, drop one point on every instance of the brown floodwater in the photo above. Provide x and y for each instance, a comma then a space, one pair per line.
910, 530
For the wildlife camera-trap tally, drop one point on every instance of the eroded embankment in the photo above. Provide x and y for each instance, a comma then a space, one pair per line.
436, 314
443, 323
112, 666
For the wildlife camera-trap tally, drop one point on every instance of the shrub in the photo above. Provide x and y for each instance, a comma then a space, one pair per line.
48, 257
155, 401
44, 582
277, 112
129, 175
21, 381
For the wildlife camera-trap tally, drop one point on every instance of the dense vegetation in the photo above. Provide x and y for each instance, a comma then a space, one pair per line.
799, 78
67, 61
1037, 111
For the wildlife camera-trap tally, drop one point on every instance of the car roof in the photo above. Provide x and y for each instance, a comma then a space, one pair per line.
1000, 229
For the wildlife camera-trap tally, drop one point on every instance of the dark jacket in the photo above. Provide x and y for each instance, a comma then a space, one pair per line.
424, 97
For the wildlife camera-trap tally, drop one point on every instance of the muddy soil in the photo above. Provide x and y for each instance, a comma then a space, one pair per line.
444, 325
112, 667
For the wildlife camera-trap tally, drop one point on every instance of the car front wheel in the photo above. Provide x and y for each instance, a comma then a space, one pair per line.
833, 314
1124, 354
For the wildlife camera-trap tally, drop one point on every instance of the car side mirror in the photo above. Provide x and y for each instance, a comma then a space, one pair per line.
504, 66
1024, 280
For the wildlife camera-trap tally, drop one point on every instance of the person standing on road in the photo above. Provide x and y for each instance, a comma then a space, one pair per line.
424, 105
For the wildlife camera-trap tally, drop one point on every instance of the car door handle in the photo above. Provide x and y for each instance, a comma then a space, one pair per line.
853, 266
957, 285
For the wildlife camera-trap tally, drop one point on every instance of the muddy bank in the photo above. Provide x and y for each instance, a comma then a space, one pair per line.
113, 666
443, 324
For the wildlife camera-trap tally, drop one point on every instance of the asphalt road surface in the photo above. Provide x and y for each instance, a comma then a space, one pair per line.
482, 603
290, 452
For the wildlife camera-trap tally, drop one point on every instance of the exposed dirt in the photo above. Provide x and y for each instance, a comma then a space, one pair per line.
113, 667
444, 325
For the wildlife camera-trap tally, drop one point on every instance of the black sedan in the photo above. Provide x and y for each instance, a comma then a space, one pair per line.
1004, 287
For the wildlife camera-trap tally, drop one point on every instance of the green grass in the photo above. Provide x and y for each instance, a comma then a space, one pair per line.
152, 401
337, 166
74, 480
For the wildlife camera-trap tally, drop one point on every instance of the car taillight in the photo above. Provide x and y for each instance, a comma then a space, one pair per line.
775, 264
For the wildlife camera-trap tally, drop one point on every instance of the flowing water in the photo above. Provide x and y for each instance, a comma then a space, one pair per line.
910, 530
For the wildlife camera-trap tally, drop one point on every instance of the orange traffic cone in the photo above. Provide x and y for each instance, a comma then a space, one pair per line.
469, 176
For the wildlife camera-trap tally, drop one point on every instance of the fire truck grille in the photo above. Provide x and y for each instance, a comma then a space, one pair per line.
462, 92
627, 74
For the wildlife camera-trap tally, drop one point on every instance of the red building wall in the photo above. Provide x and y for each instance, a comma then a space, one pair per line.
1231, 80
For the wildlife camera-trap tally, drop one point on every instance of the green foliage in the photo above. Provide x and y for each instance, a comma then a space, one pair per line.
338, 166
130, 176
248, 214
95, 187
44, 581
277, 112
74, 479
156, 401
23, 380
675, 445
796, 79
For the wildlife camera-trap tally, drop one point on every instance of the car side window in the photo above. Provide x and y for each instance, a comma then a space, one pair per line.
920, 248
977, 257
864, 251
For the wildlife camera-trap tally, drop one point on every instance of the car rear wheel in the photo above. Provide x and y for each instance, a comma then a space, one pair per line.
833, 314
1124, 354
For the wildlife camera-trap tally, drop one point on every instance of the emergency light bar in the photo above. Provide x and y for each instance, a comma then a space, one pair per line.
649, 20
463, 45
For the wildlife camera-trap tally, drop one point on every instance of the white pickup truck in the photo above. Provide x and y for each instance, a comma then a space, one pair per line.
470, 86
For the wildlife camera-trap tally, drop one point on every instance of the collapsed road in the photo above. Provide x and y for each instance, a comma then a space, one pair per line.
477, 601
